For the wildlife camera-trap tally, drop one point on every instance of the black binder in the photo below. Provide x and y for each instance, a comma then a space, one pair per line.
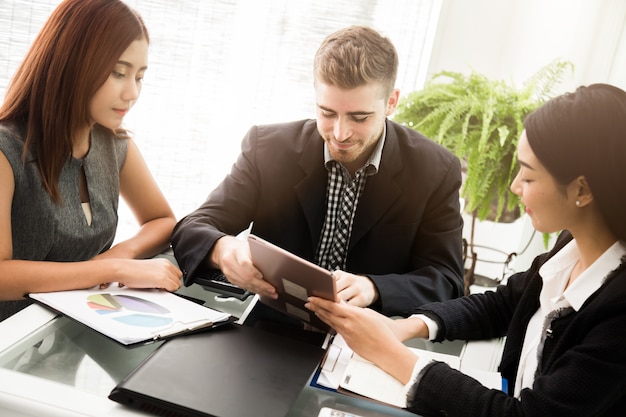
234, 371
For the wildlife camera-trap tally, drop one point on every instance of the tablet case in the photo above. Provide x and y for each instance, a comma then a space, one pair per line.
234, 371
294, 278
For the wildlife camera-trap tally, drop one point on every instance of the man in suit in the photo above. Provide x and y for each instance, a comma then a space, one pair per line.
352, 191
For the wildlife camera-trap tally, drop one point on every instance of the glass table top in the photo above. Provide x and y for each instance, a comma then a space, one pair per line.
65, 351
68, 354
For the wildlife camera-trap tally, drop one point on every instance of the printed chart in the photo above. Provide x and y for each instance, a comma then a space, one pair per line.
130, 310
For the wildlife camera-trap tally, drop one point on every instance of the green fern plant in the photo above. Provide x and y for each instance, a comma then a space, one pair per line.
480, 120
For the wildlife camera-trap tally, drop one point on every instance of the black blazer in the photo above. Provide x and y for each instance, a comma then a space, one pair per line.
582, 366
407, 231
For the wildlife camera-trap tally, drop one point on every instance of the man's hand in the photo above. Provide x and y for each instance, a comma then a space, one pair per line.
232, 257
355, 290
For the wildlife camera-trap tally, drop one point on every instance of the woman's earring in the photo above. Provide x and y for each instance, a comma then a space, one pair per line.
577, 203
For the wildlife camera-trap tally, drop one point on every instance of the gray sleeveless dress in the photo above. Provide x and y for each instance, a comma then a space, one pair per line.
43, 231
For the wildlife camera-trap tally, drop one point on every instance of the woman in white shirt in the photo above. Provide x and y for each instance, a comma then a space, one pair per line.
564, 318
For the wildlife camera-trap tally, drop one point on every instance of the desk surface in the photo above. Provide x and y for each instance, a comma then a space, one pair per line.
53, 366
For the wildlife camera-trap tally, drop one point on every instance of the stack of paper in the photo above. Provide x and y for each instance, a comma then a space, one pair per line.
344, 370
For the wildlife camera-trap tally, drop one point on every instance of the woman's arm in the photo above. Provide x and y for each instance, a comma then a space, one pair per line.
149, 206
21, 277
363, 329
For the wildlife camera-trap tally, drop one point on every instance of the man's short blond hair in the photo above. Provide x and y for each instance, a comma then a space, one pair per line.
357, 56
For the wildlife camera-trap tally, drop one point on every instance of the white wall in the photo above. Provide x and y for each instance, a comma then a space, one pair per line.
511, 39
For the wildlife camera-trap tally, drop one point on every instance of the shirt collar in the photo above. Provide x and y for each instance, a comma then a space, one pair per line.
556, 271
373, 160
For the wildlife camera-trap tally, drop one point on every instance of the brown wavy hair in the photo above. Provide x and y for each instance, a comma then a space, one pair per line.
71, 58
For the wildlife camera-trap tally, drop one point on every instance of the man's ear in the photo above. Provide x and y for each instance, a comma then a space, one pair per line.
392, 102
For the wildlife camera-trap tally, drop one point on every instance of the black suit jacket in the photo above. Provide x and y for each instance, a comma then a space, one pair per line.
582, 366
407, 231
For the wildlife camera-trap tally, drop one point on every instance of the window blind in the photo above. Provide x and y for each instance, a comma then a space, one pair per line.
217, 67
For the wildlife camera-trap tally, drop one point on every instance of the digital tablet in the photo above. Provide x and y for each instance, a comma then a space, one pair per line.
294, 278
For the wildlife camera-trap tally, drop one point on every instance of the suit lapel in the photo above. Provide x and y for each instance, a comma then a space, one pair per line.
311, 191
381, 190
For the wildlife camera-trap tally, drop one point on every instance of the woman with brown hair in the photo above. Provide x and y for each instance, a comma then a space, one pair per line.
564, 318
65, 160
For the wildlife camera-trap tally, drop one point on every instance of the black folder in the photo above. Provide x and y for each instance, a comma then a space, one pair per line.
234, 371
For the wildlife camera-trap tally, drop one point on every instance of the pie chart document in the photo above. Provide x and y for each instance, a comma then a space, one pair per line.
132, 316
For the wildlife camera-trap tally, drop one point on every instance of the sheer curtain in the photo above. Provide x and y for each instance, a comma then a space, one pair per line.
217, 67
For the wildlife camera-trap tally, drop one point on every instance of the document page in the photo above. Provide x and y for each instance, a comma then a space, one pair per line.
338, 354
132, 315
344, 370
365, 378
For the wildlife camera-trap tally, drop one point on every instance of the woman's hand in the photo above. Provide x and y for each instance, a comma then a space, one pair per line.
362, 328
370, 334
146, 273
